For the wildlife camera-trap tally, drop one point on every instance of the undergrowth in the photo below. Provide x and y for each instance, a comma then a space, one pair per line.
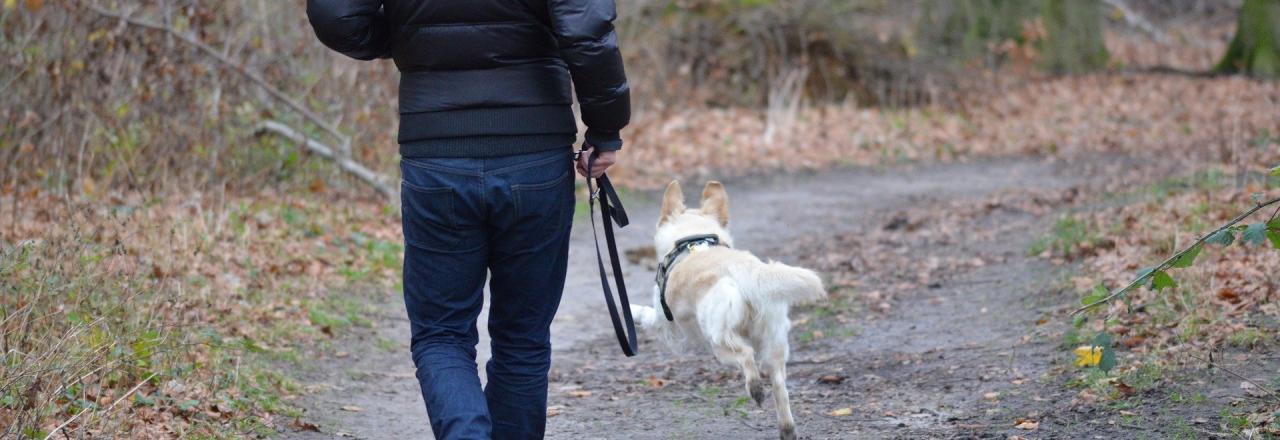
169, 318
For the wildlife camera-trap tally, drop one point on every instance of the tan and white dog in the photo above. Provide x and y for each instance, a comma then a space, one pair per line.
727, 297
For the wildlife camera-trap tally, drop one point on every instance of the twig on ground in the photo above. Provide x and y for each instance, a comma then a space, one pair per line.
71, 420
1238, 376
1212, 433
699, 397
1165, 265
748, 424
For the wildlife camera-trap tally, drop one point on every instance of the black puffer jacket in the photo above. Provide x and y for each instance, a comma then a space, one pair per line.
489, 77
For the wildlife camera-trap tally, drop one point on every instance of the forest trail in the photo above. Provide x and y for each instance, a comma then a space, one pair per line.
952, 352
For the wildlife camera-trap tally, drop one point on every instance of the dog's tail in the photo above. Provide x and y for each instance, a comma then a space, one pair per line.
790, 284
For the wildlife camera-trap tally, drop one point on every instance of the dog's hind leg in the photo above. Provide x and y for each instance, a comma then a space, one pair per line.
786, 422
775, 363
720, 314
734, 349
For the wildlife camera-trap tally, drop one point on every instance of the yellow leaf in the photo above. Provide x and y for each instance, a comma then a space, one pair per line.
10, 4
841, 412
87, 186
1027, 425
1088, 355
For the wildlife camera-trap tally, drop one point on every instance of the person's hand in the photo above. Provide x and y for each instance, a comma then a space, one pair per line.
603, 162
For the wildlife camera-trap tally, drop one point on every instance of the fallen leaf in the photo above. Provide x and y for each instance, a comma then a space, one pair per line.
1027, 425
1124, 388
656, 382
1088, 355
1252, 389
554, 410
352, 408
832, 379
300, 425
841, 412
579, 393
991, 396
1133, 341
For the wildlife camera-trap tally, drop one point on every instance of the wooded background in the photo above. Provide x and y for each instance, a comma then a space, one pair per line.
185, 183
158, 95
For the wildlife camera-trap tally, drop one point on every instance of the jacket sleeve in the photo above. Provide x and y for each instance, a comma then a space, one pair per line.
588, 43
356, 28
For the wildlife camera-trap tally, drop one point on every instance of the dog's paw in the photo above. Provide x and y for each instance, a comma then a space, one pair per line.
756, 388
787, 432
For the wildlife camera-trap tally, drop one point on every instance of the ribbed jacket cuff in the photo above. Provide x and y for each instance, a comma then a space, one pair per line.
604, 140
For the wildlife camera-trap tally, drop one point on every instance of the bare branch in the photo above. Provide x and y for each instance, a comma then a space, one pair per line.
377, 181
1238, 376
1138, 21
237, 67
64, 424
341, 155
1165, 265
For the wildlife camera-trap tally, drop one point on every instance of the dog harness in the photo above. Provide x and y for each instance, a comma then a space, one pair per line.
683, 247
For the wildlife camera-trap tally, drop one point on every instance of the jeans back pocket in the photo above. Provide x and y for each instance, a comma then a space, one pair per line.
545, 207
428, 217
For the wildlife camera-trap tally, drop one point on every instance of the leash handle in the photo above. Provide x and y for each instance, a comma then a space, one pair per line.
611, 211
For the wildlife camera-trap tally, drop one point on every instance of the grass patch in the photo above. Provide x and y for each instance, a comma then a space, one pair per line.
1247, 338
833, 318
1069, 237
157, 317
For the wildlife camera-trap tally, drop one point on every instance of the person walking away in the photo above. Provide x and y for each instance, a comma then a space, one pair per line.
486, 139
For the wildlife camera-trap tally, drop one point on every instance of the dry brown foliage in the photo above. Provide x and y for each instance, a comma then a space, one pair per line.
154, 317
144, 261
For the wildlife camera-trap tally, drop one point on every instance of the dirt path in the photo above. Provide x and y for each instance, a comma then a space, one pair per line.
932, 332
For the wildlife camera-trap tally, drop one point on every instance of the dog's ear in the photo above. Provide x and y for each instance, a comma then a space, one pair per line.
715, 202
672, 202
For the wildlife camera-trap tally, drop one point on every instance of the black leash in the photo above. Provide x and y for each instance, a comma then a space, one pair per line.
611, 212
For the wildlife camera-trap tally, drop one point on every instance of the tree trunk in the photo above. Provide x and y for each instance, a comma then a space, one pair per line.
1075, 40
1255, 50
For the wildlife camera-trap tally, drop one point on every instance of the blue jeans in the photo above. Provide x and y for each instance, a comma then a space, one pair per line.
509, 216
